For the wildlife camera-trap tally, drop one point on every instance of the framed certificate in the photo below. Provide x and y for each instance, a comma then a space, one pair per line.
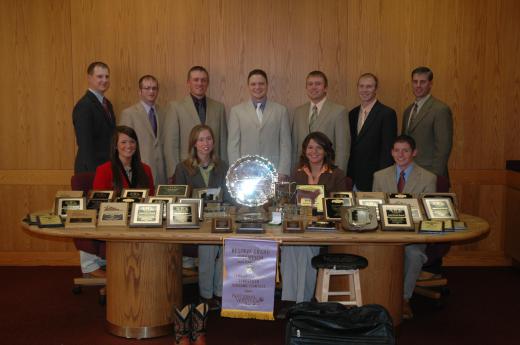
415, 205
179, 190
198, 202
372, 202
69, 194
134, 193
146, 214
439, 208
162, 199
331, 207
81, 219
208, 194
113, 214
101, 194
396, 217
221, 225
451, 196
310, 195
182, 216
64, 204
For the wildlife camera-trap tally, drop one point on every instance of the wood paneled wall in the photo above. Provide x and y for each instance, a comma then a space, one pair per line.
471, 45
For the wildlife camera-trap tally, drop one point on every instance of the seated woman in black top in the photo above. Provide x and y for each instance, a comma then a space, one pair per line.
203, 169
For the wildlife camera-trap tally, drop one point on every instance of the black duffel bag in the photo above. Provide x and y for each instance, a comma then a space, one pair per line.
333, 323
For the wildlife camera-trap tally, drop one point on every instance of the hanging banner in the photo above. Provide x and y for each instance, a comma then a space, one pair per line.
249, 278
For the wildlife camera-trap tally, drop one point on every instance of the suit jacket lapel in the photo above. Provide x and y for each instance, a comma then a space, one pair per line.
143, 117
425, 110
190, 108
100, 108
266, 115
369, 120
325, 110
413, 179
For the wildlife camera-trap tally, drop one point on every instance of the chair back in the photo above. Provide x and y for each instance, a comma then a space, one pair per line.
82, 181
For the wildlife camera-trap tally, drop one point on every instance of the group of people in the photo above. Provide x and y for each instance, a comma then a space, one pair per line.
192, 140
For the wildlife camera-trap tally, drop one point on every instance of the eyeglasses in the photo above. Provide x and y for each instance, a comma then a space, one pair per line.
150, 88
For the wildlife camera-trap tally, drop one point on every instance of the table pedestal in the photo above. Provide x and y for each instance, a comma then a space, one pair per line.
382, 279
144, 285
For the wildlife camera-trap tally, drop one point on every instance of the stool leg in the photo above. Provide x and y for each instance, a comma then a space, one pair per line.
322, 286
357, 288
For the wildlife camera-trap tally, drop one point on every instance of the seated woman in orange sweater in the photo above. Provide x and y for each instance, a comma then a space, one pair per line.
130, 173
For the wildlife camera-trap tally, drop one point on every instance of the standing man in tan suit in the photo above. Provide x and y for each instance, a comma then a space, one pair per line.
194, 109
259, 126
147, 119
321, 115
429, 121
407, 177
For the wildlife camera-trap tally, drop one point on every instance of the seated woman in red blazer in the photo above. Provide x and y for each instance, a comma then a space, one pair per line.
130, 173
126, 160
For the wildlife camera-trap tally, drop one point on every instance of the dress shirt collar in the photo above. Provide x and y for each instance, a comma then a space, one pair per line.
407, 172
368, 107
420, 102
98, 95
318, 105
198, 100
263, 102
147, 107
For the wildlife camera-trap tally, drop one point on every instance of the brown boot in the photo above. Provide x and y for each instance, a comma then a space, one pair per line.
199, 315
182, 325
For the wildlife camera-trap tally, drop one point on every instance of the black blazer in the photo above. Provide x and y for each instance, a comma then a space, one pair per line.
93, 133
370, 150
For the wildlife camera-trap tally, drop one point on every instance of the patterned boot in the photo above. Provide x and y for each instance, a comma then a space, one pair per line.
183, 325
199, 315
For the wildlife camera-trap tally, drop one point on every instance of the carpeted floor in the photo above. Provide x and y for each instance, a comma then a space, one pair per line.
37, 307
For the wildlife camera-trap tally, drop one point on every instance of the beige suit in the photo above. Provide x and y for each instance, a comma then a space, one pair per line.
332, 121
181, 117
419, 181
270, 139
150, 146
432, 130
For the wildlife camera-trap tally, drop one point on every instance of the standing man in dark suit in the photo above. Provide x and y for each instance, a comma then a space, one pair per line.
429, 121
94, 123
373, 128
94, 120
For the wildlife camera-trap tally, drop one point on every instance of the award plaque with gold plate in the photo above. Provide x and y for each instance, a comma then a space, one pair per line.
50, 221
182, 216
221, 225
431, 227
81, 219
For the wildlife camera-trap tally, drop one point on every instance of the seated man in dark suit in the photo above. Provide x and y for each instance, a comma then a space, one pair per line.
407, 177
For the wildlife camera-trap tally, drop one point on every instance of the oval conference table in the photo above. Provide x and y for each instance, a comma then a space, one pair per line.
144, 269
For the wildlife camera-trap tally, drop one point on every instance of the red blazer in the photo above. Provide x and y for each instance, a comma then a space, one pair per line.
104, 178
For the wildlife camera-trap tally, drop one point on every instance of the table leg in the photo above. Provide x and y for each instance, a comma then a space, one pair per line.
144, 285
382, 279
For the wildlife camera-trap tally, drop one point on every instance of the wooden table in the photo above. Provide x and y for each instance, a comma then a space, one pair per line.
144, 270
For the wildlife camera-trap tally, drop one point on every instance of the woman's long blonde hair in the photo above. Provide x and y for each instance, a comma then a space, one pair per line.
192, 163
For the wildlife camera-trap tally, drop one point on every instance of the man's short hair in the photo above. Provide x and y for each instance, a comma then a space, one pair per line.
370, 75
90, 68
257, 72
319, 74
403, 138
147, 77
423, 70
197, 68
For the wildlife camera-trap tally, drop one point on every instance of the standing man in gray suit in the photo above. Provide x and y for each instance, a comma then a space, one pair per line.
429, 121
147, 119
259, 126
407, 177
321, 115
194, 109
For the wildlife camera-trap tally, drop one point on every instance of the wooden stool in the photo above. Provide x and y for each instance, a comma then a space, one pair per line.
339, 264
